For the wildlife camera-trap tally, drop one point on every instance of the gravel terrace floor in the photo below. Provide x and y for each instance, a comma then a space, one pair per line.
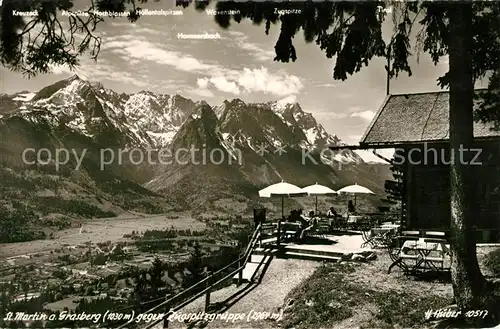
280, 278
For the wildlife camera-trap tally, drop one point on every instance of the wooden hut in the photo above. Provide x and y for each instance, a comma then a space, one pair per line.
417, 126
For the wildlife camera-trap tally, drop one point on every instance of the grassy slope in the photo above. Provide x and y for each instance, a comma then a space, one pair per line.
331, 296
363, 295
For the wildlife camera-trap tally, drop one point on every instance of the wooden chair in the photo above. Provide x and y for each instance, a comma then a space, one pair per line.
400, 257
377, 238
367, 239
321, 228
268, 229
435, 234
338, 223
289, 231
366, 223
410, 234
439, 257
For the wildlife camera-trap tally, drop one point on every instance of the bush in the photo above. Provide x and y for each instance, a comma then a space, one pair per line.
157, 234
492, 261
65, 259
60, 274
154, 245
118, 254
99, 259
14, 225
89, 291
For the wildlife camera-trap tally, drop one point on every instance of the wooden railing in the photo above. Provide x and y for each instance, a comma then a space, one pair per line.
207, 284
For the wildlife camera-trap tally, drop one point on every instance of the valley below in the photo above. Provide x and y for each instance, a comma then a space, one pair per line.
112, 263
100, 230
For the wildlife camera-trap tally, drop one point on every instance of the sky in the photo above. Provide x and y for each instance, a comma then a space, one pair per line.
148, 55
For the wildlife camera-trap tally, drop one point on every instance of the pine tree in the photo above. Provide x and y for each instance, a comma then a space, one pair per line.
195, 266
140, 293
156, 282
394, 187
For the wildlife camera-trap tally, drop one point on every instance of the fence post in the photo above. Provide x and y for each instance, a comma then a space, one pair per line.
240, 273
207, 295
260, 235
167, 315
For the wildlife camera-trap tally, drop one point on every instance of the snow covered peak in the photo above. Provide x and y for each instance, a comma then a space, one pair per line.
148, 118
140, 103
75, 77
235, 103
281, 106
24, 97
76, 85
146, 93
219, 110
229, 109
73, 84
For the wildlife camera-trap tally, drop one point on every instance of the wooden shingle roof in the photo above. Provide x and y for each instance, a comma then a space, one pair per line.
416, 118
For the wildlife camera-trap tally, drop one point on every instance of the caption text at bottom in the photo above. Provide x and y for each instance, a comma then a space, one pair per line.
143, 317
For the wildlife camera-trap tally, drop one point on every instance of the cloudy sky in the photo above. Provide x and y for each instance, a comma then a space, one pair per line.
148, 55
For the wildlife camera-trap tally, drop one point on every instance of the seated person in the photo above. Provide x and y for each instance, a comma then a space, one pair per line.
301, 218
305, 226
313, 218
335, 219
333, 213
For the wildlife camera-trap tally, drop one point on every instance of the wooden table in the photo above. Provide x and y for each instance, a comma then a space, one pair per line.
420, 251
383, 229
377, 236
353, 219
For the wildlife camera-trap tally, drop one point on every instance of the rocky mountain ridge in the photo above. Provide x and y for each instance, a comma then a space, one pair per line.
78, 114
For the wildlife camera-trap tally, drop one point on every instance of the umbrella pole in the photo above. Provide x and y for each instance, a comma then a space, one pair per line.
355, 200
278, 238
316, 212
282, 207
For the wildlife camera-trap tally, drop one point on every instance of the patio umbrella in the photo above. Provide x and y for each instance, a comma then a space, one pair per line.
355, 189
318, 190
281, 190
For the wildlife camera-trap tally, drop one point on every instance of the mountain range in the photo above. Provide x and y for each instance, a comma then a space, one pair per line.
257, 144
